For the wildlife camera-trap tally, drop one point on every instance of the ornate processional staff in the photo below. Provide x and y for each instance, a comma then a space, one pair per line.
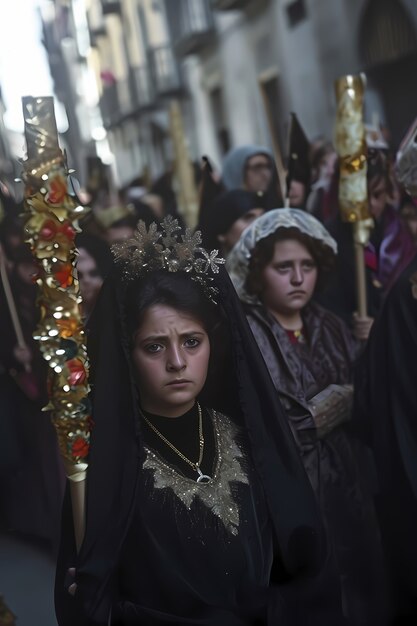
51, 222
350, 144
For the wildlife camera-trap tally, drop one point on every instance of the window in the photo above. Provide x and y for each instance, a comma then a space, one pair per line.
296, 12
219, 118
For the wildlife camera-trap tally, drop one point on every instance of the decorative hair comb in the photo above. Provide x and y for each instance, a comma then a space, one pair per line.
164, 249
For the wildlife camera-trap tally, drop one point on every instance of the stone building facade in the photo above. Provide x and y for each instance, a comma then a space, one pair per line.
214, 56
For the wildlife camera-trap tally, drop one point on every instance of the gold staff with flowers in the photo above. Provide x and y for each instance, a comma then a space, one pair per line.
51, 223
350, 144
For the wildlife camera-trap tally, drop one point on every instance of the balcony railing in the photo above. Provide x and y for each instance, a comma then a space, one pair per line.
111, 6
129, 97
164, 71
191, 24
96, 28
110, 105
141, 87
229, 5
125, 96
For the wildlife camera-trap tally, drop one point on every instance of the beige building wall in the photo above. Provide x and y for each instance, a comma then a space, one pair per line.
115, 33
305, 58
133, 38
221, 103
155, 24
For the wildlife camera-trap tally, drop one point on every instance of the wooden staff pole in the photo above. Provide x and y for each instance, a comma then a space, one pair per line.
186, 188
361, 296
12, 307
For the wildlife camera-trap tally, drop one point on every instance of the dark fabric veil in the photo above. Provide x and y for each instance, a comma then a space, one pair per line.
247, 394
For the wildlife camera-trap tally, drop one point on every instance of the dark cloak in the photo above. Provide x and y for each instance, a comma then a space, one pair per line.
386, 412
335, 463
209, 190
246, 395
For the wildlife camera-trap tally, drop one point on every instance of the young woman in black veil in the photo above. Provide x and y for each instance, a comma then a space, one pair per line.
198, 508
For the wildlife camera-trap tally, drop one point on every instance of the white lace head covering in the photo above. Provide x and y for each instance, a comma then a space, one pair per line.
238, 260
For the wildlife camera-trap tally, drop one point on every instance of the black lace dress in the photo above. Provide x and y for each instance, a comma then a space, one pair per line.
197, 553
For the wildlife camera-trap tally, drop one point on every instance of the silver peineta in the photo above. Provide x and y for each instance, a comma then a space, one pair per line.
166, 248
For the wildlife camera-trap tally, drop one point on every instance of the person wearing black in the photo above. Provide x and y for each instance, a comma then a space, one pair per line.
231, 213
299, 166
94, 261
198, 508
385, 417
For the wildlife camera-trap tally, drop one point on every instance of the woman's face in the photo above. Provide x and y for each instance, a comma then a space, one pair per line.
328, 165
232, 236
378, 196
289, 279
297, 193
171, 352
89, 277
409, 215
258, 173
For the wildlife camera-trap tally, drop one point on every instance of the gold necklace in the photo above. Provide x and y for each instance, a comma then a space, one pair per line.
299, 335
202, 478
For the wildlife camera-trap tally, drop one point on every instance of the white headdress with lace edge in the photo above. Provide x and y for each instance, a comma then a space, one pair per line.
239, 258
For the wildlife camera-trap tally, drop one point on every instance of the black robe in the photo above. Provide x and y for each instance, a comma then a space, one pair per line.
386, 418
200, 545
151, 559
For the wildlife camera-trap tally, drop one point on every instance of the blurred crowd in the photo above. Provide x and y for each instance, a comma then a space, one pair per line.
246, 187
230, 199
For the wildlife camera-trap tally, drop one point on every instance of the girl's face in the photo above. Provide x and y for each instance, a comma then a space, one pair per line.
171, 352
289, 279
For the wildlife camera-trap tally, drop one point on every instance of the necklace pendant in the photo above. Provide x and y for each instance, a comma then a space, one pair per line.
202, 478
